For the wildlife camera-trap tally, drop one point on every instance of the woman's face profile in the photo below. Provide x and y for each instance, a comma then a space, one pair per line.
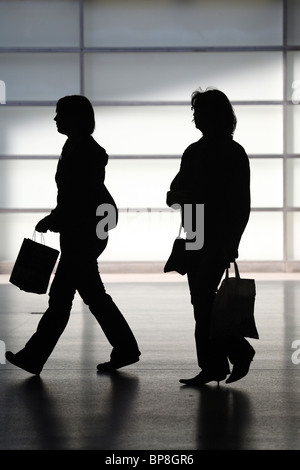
198, 118
65, 122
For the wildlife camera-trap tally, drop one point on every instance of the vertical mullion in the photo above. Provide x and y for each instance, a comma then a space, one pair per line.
81, 47
284, 162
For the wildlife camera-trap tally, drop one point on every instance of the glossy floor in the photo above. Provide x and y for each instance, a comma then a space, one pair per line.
144, 407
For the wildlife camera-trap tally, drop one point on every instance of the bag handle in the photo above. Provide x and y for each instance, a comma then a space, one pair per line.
42, 237
236, 270
180, 229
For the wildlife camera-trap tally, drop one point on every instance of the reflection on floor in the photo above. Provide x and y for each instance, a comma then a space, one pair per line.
144, 407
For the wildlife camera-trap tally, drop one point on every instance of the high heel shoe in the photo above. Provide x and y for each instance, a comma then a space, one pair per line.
241, 368
203, 378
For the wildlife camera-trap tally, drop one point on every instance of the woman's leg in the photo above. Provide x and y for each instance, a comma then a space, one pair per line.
115, 327
205, 272
52, 324
87, 248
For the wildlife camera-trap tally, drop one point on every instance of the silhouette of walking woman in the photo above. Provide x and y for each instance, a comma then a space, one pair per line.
214, 171
80, 179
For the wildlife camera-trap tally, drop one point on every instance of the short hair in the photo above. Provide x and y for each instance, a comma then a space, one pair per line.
216, 111
80, 106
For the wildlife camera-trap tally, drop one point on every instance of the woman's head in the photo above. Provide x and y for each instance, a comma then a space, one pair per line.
75, 115
213, 112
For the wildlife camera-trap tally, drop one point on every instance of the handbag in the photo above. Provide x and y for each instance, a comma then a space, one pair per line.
33, 266
177, 260
233, 308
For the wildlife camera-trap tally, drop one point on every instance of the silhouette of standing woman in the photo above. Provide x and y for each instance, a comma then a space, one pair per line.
80, 190
215, 172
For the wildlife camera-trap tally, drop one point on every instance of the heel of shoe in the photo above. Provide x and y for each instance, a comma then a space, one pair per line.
220, 379
241, 368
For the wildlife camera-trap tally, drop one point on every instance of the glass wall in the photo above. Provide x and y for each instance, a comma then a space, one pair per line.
138, 62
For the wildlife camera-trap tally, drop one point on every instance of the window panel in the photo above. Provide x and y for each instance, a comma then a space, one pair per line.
139, 236
180, 23
166, 76
142, 236
141, 183
293, 13
27, 184
145, 130
260, 129
38, 76
168, 130
29, 131
131, 181
293, 231
266, 182
292, 184
31, 23
124, 130
263, 237
141, 130
293, 126
149, 236
293, 77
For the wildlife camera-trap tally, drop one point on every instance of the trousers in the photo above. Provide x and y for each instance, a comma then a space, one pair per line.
205, 271
77, 270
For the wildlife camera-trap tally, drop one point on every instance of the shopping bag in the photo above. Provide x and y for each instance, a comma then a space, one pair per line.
233, 309
177, 260
33, 266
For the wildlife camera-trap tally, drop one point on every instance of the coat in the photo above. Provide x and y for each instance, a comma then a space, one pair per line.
215, 172
80, 184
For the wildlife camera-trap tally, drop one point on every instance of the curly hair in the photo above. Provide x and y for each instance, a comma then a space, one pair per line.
213, 112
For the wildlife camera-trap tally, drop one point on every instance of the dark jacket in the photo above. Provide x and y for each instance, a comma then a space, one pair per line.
80, 184
215, 172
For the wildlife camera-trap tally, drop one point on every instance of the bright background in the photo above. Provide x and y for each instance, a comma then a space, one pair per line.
138, 62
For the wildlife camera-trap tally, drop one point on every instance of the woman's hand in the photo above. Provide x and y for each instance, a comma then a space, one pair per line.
179, 197
230, 254
43, 225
